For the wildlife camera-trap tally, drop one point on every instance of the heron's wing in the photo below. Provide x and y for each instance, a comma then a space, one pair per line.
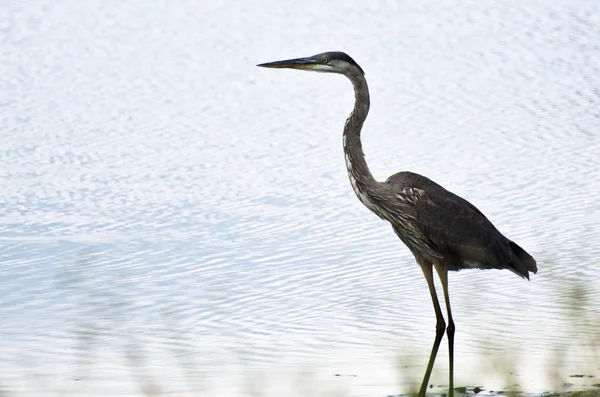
458, 229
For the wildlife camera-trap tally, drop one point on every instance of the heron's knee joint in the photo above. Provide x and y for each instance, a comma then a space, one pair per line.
440, 327
451, 328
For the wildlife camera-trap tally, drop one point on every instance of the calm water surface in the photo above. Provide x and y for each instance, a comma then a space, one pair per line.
172, 215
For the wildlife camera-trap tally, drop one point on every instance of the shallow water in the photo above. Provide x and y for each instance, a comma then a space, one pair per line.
173, 215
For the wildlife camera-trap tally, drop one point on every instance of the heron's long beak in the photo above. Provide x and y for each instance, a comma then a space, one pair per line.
298, 63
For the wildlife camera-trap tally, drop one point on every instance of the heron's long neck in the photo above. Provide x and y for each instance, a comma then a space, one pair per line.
360, 176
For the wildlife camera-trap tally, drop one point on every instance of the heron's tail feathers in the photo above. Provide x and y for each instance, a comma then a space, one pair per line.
522, 263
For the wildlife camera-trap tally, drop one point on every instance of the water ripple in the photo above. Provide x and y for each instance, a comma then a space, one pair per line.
170, 211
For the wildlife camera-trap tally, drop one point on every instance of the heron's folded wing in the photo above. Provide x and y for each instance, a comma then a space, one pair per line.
459, 229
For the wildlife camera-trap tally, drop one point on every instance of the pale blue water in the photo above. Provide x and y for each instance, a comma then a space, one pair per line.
170, 213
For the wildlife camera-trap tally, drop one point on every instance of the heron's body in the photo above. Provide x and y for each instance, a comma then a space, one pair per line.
428, 215
441, 229
434, 223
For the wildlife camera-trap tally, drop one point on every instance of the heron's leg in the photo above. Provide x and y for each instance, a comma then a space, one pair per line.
440, 325
443, 274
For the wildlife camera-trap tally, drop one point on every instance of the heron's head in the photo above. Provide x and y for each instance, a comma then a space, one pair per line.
327, 62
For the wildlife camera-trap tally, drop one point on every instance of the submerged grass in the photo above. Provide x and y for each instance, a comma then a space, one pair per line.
581, 315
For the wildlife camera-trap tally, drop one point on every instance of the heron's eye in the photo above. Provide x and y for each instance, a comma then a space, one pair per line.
324, 60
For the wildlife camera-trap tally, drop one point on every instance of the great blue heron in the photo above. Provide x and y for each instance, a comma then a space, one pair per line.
441, 229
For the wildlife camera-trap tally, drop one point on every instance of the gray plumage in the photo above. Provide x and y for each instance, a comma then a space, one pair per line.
453, 231
441, 229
